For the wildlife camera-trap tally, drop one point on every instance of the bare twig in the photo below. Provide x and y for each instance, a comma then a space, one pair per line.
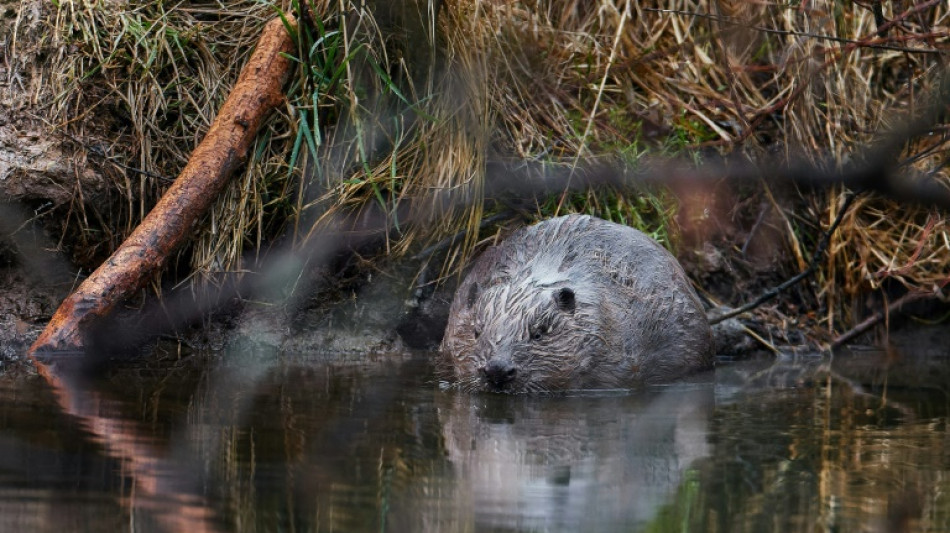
877, 42
878, 317
791, 282
101, 153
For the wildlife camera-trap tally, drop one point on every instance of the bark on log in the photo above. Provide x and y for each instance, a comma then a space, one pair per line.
224, 149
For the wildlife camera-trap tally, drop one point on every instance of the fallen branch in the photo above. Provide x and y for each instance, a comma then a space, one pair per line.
878, 317
224, 149
794, 280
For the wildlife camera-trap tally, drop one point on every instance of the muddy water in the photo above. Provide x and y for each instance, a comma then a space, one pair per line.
270, 443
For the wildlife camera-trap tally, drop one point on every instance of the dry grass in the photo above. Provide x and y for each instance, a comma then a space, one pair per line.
813, 80
158, 74
541, 80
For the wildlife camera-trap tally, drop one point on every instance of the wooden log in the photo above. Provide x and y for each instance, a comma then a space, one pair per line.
225, 147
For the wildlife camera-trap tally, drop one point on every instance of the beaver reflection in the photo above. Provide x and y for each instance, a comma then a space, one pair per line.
574, 302
570, 463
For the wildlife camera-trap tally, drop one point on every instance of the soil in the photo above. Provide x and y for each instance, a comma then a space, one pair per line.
36, 164
31, 287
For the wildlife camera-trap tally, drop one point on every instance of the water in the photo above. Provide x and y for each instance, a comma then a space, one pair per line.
269, 443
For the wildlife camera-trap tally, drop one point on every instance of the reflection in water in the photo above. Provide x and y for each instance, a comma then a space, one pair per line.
561, 464
266, 444
164, 492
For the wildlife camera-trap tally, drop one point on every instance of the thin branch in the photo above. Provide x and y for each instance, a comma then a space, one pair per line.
101, 153
868, 43
812, 267
878, 317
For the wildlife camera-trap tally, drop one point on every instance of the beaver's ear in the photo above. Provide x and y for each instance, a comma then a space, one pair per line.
564, 298
472, 295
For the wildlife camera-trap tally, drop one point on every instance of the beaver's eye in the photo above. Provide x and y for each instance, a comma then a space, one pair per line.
537, 333
477, 331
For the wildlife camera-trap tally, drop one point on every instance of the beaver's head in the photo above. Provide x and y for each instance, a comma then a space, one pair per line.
521, 337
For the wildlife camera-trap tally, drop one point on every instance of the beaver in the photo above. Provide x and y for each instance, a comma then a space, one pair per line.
574, 302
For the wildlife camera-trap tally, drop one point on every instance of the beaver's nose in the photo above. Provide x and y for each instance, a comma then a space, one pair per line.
499, 372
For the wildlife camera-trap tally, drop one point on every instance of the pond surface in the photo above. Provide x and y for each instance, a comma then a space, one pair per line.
268, 443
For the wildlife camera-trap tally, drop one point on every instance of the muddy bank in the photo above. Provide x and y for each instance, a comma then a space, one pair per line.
33, 281
41, 163
26, 303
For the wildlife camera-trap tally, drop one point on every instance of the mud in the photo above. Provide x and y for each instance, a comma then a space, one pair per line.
39, 162
26, 304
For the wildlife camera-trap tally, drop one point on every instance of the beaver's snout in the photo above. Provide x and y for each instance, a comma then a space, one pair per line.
498, 373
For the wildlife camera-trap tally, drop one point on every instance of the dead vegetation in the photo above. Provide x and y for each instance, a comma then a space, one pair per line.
394, 103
